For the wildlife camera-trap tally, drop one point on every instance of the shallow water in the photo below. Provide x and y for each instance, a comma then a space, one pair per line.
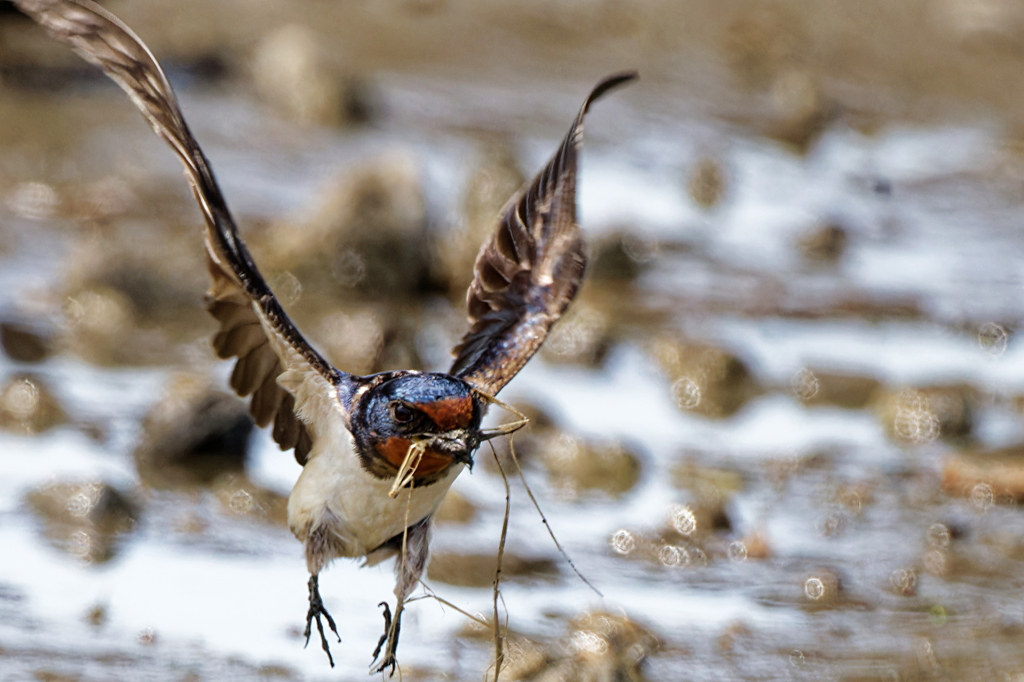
868, 568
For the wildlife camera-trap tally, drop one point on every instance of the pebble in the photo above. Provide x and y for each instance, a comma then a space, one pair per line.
366, 234
456, 509
577, 466
28, 406
707, 481
598, 645
823, 588
239, 496
132, 299
477, 570
705, 379
995, 475
86, 520
707, 182
800, 111
817, 386
762, 42
582, 337
295, 76
529, 441
370, 338
621, 257
26, 342
823, 245
192, 436
916, 416
493, 180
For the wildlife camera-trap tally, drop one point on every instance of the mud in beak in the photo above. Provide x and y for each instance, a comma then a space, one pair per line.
459, 444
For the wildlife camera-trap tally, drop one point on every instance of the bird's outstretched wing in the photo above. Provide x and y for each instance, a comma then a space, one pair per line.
529, 271
253, 327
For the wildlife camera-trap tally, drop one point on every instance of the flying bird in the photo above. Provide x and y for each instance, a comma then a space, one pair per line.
379, 452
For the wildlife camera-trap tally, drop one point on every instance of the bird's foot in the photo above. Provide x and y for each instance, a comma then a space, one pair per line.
392, 629
316, 610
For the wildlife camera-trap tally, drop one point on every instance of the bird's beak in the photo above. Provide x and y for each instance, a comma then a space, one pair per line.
459, 444
465, 457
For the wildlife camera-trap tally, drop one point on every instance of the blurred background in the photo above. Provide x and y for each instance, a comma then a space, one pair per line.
780, 429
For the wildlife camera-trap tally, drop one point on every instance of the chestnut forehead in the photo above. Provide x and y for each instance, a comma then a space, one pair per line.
448, 413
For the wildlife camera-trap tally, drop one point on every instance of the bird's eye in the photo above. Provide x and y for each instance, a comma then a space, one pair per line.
402, 413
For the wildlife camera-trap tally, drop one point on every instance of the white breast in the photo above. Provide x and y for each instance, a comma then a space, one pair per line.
335, 489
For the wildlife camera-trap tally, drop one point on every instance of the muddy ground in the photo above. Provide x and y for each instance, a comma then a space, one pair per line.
780, 430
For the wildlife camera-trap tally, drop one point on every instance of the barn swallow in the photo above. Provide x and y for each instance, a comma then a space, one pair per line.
379, 452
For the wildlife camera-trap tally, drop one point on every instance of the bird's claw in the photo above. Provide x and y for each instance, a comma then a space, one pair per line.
316, 610
392, 628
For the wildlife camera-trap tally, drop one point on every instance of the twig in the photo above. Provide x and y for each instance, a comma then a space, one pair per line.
433, 595
499, 651
407, 471
565, 555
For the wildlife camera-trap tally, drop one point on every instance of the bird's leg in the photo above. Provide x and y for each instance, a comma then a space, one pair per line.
392, 630
387, 629
409, 567
316, 609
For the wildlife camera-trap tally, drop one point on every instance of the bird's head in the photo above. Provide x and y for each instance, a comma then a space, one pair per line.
400, 409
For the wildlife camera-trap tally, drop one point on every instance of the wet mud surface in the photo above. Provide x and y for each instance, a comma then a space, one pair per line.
781, 429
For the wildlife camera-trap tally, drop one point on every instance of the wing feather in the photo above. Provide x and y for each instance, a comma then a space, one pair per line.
239, 340
253, 326
529, 271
